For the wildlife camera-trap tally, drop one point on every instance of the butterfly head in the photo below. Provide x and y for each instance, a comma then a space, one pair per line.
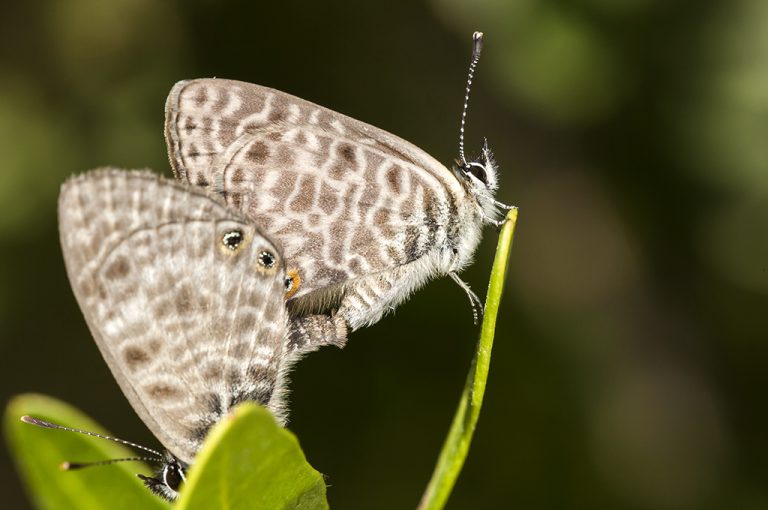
479, 177
169, 478
167, 481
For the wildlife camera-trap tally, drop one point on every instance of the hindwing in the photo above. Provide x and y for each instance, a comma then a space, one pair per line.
184, 297
344, 198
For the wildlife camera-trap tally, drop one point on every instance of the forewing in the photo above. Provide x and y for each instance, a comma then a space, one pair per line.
188, 324
344, 198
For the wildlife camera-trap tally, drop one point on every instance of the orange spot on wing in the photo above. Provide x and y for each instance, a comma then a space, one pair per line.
293, 275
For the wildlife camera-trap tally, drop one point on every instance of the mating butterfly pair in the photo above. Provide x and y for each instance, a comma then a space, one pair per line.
290, 226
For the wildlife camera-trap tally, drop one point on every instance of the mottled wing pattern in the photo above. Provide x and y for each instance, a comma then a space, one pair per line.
344, 198
175, 290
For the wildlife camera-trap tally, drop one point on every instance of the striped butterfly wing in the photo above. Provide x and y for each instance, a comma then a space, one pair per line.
344, 198
184, 298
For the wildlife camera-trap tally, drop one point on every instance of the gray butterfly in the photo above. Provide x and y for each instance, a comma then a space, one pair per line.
364, 217
185, 299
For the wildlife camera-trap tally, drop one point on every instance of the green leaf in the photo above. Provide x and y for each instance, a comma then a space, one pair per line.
457, 443
39, 452
248, 461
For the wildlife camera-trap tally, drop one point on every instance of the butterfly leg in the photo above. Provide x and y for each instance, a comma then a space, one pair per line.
499, 223
504, 207
477, 305
311, 332
496, 223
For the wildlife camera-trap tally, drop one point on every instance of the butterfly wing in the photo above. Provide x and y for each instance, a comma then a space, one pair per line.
184, 298
344, 198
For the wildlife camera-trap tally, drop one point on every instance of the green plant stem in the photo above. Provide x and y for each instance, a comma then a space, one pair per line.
457, 443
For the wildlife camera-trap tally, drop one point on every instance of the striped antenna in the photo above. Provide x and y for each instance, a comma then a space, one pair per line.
477, 46
158, 457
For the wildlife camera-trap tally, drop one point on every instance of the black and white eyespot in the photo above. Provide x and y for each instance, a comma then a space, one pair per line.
233, 239
267, 259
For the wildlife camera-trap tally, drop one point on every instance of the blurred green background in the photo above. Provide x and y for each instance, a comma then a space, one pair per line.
630, 361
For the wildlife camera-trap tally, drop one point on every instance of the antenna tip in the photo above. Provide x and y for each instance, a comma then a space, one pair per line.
477, 43
34, 421
71, 466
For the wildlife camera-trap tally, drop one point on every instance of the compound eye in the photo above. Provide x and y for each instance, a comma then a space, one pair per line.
233, 239
478, 170
172, 476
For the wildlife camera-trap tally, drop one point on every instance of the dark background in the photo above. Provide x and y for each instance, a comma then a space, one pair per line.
629, 369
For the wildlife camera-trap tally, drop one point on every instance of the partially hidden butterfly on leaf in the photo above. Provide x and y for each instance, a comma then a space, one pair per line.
185, 299
364, 217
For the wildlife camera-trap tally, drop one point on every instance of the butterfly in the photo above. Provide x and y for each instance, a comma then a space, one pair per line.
185, 299
363, 216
